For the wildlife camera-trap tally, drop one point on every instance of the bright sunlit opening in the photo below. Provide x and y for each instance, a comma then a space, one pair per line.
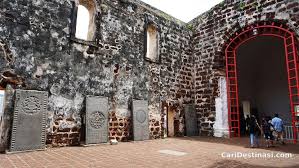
184, 10
82, 25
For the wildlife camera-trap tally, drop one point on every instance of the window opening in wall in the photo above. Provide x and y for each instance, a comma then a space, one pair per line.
82, 25
152, 43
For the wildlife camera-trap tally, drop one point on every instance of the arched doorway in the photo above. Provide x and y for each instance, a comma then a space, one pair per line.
291, 59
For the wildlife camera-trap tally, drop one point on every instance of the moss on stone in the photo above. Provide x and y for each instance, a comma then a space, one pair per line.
190, 27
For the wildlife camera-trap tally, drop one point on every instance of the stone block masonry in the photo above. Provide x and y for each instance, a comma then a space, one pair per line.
47, 57
213, 29
120, 128
39, 51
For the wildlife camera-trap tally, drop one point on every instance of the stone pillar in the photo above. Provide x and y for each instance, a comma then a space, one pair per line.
3, 134
221, 123
6, 118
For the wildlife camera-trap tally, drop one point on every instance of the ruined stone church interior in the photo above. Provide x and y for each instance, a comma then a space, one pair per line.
130, 72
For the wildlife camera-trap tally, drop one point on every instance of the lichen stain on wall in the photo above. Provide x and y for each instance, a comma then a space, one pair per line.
47, 57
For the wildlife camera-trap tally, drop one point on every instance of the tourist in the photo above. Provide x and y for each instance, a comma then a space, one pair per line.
254, 131
267, 131
242, 126
247, 120
278, 127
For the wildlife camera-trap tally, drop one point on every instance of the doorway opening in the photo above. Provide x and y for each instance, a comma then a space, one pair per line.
262, 75
168, 120
262, 79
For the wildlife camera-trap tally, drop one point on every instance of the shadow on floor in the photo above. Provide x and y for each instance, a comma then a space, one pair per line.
238, 164
244, 142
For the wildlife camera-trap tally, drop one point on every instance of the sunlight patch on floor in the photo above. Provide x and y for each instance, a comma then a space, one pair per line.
172, 152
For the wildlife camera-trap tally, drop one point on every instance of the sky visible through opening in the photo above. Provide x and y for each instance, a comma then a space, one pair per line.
82, 23
184, 10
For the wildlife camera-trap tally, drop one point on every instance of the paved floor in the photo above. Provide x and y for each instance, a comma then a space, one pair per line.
170, 152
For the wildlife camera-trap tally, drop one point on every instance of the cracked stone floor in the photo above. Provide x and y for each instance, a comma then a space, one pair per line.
171, 152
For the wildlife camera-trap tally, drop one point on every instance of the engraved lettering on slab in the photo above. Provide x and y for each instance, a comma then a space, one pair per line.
140, 116
96, 120
140, 120
31, 105
29, 121
191, 120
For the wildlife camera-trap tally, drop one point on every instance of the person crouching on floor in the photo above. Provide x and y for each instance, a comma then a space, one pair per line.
267, 131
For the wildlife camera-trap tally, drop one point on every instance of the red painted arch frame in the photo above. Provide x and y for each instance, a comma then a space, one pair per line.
291, 56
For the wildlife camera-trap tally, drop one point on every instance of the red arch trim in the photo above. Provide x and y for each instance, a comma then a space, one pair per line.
282, 33
231, 70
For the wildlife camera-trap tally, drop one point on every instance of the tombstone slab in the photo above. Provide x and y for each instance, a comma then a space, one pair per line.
29, 121
96, 120
191, 120
140, 120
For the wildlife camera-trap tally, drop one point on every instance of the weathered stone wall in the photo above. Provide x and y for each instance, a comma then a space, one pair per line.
38, 51
213, 29
47, 57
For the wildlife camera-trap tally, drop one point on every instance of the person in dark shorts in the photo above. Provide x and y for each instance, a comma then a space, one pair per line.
267, 130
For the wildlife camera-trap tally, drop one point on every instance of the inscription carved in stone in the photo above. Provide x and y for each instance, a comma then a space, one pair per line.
141, 116
31, 105
140, 120
29, 120
97, 119
191, 120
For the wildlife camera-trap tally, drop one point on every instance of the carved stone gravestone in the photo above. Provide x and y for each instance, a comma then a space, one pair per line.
140, 120
96, 120
29, 121
191, 120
